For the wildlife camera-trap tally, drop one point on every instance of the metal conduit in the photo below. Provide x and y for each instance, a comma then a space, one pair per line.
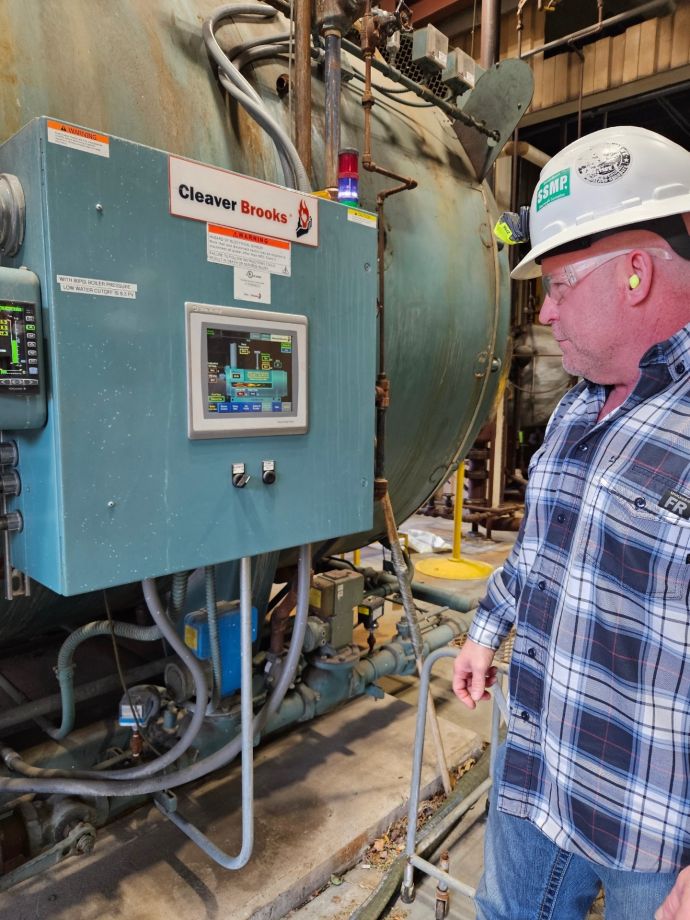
247, 719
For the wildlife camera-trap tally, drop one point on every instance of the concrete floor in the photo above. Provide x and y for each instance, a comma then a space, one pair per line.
323, 793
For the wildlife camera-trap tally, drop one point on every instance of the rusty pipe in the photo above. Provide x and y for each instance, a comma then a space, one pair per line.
490, 28
303, 82
332, 65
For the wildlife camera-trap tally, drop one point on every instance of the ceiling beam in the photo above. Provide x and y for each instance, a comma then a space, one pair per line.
425, 11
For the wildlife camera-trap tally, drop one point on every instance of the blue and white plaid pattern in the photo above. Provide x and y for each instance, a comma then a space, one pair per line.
598, 587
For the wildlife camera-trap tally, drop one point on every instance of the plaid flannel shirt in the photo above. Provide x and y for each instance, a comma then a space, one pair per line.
597, 585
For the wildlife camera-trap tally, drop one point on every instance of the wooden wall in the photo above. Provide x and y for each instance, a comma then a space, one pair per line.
651, 47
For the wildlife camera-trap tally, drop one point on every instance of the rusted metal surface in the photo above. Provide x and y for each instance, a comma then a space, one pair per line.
332, 72
303, 82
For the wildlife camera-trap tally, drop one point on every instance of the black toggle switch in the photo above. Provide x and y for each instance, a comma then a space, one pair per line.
240, 477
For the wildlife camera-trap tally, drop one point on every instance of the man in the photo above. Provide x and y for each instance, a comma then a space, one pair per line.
592, 787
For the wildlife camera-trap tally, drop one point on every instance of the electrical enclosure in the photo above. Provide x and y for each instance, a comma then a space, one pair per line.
113, 487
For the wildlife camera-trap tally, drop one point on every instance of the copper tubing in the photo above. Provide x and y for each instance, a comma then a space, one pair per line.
303, 82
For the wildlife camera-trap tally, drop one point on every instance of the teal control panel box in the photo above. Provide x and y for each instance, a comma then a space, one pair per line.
207, 363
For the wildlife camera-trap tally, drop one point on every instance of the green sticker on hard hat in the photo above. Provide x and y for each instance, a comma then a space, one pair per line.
553, 188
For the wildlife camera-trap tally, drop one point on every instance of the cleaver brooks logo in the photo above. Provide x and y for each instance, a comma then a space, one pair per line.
217, 196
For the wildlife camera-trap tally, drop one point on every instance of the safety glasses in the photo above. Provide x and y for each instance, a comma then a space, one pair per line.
556, 285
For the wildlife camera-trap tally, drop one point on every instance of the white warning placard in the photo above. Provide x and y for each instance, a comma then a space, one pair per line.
228, 246
252, 285
71, 284
78, 138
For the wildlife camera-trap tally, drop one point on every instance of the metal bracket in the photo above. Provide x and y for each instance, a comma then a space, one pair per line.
500, 99
79, 841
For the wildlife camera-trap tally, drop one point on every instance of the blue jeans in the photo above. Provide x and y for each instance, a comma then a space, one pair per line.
527, 877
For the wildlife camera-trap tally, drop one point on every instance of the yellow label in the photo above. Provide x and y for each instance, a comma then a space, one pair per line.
315, 597
191, 637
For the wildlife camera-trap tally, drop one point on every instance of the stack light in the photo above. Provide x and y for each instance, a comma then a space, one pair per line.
348, 176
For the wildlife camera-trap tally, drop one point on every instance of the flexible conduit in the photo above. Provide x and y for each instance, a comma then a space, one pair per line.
216, 761
240, 89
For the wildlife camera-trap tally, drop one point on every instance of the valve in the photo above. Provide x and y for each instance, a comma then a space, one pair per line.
240, 477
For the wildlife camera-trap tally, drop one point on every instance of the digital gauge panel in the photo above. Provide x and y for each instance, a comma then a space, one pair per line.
19, 365
247, 372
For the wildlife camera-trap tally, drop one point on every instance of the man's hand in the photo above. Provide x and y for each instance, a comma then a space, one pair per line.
677, 904
472, 673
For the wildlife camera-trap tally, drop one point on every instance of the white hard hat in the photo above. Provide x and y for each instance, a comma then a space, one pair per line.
605, 180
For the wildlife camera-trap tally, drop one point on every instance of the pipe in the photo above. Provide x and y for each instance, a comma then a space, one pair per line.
526, 151
220, 758
303, 82
33, 709
246, 704
64, 669
490, 28
644, 10
332, 73
163, 628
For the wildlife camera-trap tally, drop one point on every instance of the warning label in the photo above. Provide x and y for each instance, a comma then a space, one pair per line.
361, 217
252, 250
70, 284
78, 138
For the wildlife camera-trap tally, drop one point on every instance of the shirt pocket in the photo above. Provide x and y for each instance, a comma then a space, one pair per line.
639, 546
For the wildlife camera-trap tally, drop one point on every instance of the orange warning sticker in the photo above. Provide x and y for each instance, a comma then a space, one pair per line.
242, 248
78, 138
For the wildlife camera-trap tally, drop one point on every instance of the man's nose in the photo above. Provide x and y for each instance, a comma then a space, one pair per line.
549, 312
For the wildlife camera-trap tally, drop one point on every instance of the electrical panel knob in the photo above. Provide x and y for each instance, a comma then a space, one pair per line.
13, 522
10, 483
268, 472
9, 453
240, 477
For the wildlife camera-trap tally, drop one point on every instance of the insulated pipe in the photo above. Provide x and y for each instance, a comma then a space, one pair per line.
303, 82
490, 27
333, 40
526, 151
224, 755
246, 705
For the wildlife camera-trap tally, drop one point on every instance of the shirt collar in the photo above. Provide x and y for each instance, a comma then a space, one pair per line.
674, 353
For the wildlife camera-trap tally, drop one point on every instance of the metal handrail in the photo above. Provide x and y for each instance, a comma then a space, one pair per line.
500, 708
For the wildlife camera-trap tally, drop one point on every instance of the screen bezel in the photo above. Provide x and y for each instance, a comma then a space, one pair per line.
203, 424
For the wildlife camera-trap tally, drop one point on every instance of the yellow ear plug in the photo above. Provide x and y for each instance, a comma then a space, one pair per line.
634, 281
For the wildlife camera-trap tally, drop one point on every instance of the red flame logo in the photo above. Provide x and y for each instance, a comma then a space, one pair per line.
304, 220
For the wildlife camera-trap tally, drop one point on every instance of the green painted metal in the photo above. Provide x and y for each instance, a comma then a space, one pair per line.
447, 292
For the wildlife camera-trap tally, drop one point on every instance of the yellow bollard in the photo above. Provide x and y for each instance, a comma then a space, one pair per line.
455, 568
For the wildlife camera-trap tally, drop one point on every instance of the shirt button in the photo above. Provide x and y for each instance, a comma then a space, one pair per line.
524, 715
541, 585
640, 502
532, 652
680, 368
560, 518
